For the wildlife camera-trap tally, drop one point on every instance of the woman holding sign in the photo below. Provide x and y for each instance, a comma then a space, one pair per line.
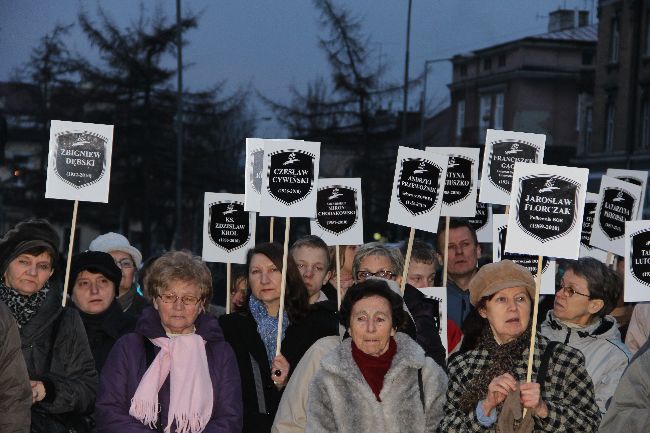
487, 388
253, 333
59, 361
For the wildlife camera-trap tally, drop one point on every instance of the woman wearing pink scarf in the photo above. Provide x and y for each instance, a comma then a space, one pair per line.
175, 373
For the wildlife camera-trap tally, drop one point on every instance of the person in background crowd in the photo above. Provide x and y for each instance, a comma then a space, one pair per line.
128, 259
421, 274
346, 257
312, 258
629, 410
487, 378
622, 311
463, 253
15, 391
54, 344
238, 289
376, 260
175, 372
638, 330
379, 380
142, 275
94, 279
588, 292
252, 333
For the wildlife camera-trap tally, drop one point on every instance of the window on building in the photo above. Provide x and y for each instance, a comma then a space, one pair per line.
484, 116
587, 57
647, 33
498, 111
487, 63
502, 60
609, 127
463, 70
614, 41
460, 118
588, 125
645, 124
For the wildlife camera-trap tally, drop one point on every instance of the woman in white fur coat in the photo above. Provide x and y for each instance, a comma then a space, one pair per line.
379, 380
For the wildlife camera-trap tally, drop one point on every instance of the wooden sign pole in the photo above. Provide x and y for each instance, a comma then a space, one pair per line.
271, 224
533, 332
407, 259
283, 285
73, 227
446, 254
338, 277
228, 274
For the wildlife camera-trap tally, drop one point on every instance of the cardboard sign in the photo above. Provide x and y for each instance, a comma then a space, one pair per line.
339, 220
418, 185
459, 198
439, 294
500, 236
502, 150
79, 161
636, 177
482, 222
228, 229
637, 261
588, 219
618, 203
546, 210
253, 171
289, 178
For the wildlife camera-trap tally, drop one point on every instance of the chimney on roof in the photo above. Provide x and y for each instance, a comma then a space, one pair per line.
567, 19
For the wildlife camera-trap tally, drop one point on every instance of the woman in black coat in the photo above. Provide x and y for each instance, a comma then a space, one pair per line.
252, 333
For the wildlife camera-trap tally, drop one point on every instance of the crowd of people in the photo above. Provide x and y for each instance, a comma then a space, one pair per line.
141, 346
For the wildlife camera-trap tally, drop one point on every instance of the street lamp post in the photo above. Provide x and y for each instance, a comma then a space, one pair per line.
406, 71
423, 98
179, 129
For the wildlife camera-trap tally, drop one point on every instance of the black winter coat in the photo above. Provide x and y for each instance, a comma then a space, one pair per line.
260, 396
426, 318
56, 351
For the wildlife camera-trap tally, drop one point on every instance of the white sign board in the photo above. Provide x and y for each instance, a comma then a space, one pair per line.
502, 150
289, 178
339, 219
439, 294
418, 186
637, 177
618, 202
637, 261
588, 219
228, 229
253, 171
79, 161
459, 198
482, 222
500, 235
546, 210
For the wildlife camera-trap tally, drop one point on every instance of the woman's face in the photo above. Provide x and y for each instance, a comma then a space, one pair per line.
179, 304
371, 325
238, 297
93, 293
264, 279
125, 262
27, 274
508, 313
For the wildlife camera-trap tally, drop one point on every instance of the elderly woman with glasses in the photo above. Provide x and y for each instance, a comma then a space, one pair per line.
175, 372
580, 318
487, 379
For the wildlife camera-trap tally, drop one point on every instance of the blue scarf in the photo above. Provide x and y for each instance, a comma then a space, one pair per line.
267, 326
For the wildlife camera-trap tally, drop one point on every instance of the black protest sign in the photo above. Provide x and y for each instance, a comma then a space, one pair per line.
80, 157
336, 208
527, 261
459, 182
502, 161
587, 223
257, 168
229, 225
547, 206
418, 184
480, 220
617, 207
290, 175
640, 256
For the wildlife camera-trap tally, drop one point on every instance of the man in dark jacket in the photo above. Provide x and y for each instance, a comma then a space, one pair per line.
15, 392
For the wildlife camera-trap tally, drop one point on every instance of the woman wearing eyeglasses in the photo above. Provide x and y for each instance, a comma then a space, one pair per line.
175, 372
580, 318
252, 332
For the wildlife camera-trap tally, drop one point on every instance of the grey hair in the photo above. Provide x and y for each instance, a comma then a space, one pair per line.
378, 249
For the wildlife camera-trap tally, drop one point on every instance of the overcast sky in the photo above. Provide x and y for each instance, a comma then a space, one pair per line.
271, 44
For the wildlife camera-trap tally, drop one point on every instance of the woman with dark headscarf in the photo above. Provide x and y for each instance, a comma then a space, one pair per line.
59, 361
252, 333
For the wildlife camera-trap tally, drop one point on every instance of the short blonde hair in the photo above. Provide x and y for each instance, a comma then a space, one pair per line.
179, 266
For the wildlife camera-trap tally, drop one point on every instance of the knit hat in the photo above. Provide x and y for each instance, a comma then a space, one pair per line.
95, 262
116, 242
25, 236
498, 276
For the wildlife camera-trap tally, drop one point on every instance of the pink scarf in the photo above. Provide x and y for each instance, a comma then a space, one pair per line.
190, 399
